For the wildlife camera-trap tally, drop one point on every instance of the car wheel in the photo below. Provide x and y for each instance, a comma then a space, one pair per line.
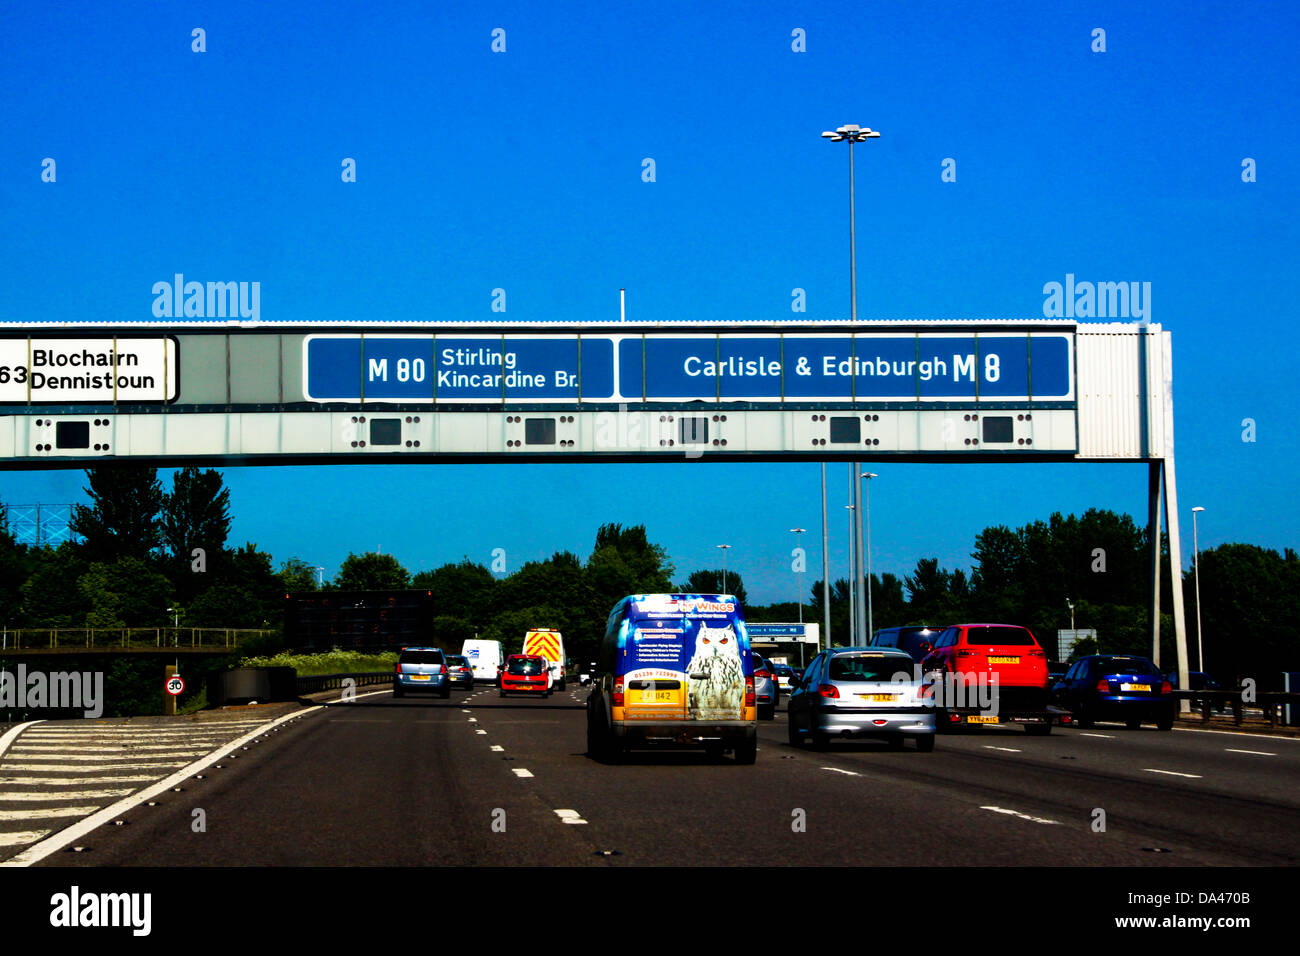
747, 751
1133, 724
1165, 723
561, 685
820, 741
793, 734
766, 713
925, 743
501, 693
1083, 720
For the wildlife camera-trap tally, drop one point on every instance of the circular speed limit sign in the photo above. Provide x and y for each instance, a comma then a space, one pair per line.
175, 686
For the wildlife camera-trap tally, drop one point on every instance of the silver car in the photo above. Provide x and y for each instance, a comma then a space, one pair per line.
850, 692
767, 692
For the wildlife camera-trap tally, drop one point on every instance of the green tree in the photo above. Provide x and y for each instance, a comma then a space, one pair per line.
705, 581
464, 590
122, 519
126, 592
297, 575
50, 597
196, 514
371, 572
15, 565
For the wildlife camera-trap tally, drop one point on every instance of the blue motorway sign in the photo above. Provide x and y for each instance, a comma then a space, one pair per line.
688, 367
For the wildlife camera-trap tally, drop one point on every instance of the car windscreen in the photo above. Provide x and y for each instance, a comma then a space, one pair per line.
848, 667
526, 667
457, 662
987, 636
420, 657
1125, 665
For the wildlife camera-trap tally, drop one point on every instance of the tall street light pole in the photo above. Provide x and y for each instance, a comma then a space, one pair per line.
724, 548
826, 567
866, 506
854, 134
798, 587
1196, 565
853, 575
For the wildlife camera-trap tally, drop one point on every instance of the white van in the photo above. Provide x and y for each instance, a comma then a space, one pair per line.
484, 659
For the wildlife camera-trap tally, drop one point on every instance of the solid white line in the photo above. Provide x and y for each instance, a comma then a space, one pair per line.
1172, 773
54, 796
1235, 733
1010, 750
65, 781
847, 773
24, 836
48, 814
1103, 736
1260, 753
143, 750
1022, 816
58, 841
12, 734
521, 772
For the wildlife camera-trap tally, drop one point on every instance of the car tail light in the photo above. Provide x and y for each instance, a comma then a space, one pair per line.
829, 691
1037, 652
963, 652
398, 669
749, 692
442, 669
1166, 688
954, 718
618, 693
1103, 685
763, 673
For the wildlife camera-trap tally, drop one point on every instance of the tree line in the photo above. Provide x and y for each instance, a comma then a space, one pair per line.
149, 555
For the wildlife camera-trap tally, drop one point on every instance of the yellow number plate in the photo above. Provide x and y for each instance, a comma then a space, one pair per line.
879, 698
1004, 660
981, 720
1144, 687
419, 677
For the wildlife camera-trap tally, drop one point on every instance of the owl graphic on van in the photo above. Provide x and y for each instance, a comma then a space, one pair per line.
716, 679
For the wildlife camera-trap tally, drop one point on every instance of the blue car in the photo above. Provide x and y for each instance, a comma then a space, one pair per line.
1116, 687
421, 670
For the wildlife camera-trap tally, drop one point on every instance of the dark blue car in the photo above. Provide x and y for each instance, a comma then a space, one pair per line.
1116, 687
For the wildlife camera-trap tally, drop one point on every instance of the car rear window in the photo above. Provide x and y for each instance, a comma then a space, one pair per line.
1126, 665
850, 667
420, 657
458, 661
526, 666
987, 636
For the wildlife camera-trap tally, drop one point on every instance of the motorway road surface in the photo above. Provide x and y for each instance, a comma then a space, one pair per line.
422, 781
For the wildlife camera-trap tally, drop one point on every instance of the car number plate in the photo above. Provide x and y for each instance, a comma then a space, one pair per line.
1144, 687
981, 720
879, 698
1004, 660
419, 676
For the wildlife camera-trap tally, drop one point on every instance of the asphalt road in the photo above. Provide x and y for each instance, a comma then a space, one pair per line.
477, 780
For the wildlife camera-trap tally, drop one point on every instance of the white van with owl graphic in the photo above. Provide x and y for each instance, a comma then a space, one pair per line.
674, 669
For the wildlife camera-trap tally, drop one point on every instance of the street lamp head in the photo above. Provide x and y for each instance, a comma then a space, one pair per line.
1196, 509
798, 530
870, 474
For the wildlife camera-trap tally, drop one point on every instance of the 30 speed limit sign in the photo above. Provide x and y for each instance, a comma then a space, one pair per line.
175, 686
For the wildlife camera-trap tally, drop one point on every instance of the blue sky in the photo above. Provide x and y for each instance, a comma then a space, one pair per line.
522, 170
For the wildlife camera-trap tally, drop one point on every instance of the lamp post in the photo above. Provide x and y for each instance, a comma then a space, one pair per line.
852, 133
724, 548
854, 609
798, 588
866, 507
1196, 566
826, 567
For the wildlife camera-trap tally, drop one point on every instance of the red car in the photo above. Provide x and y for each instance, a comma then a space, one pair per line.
982, 650
525, 674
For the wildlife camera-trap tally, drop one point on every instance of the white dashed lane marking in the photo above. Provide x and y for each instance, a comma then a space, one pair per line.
521, 772
1022, 816
1172, 773
570, 816
498, 747
1258, 753
1010, 750
847, 773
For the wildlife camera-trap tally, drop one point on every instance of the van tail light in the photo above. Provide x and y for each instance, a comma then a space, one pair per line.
618, 693
829, 691
1166, 688
749, 692
442, 669
1103, 686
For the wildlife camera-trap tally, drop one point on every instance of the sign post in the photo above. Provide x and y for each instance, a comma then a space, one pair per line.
173, 686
